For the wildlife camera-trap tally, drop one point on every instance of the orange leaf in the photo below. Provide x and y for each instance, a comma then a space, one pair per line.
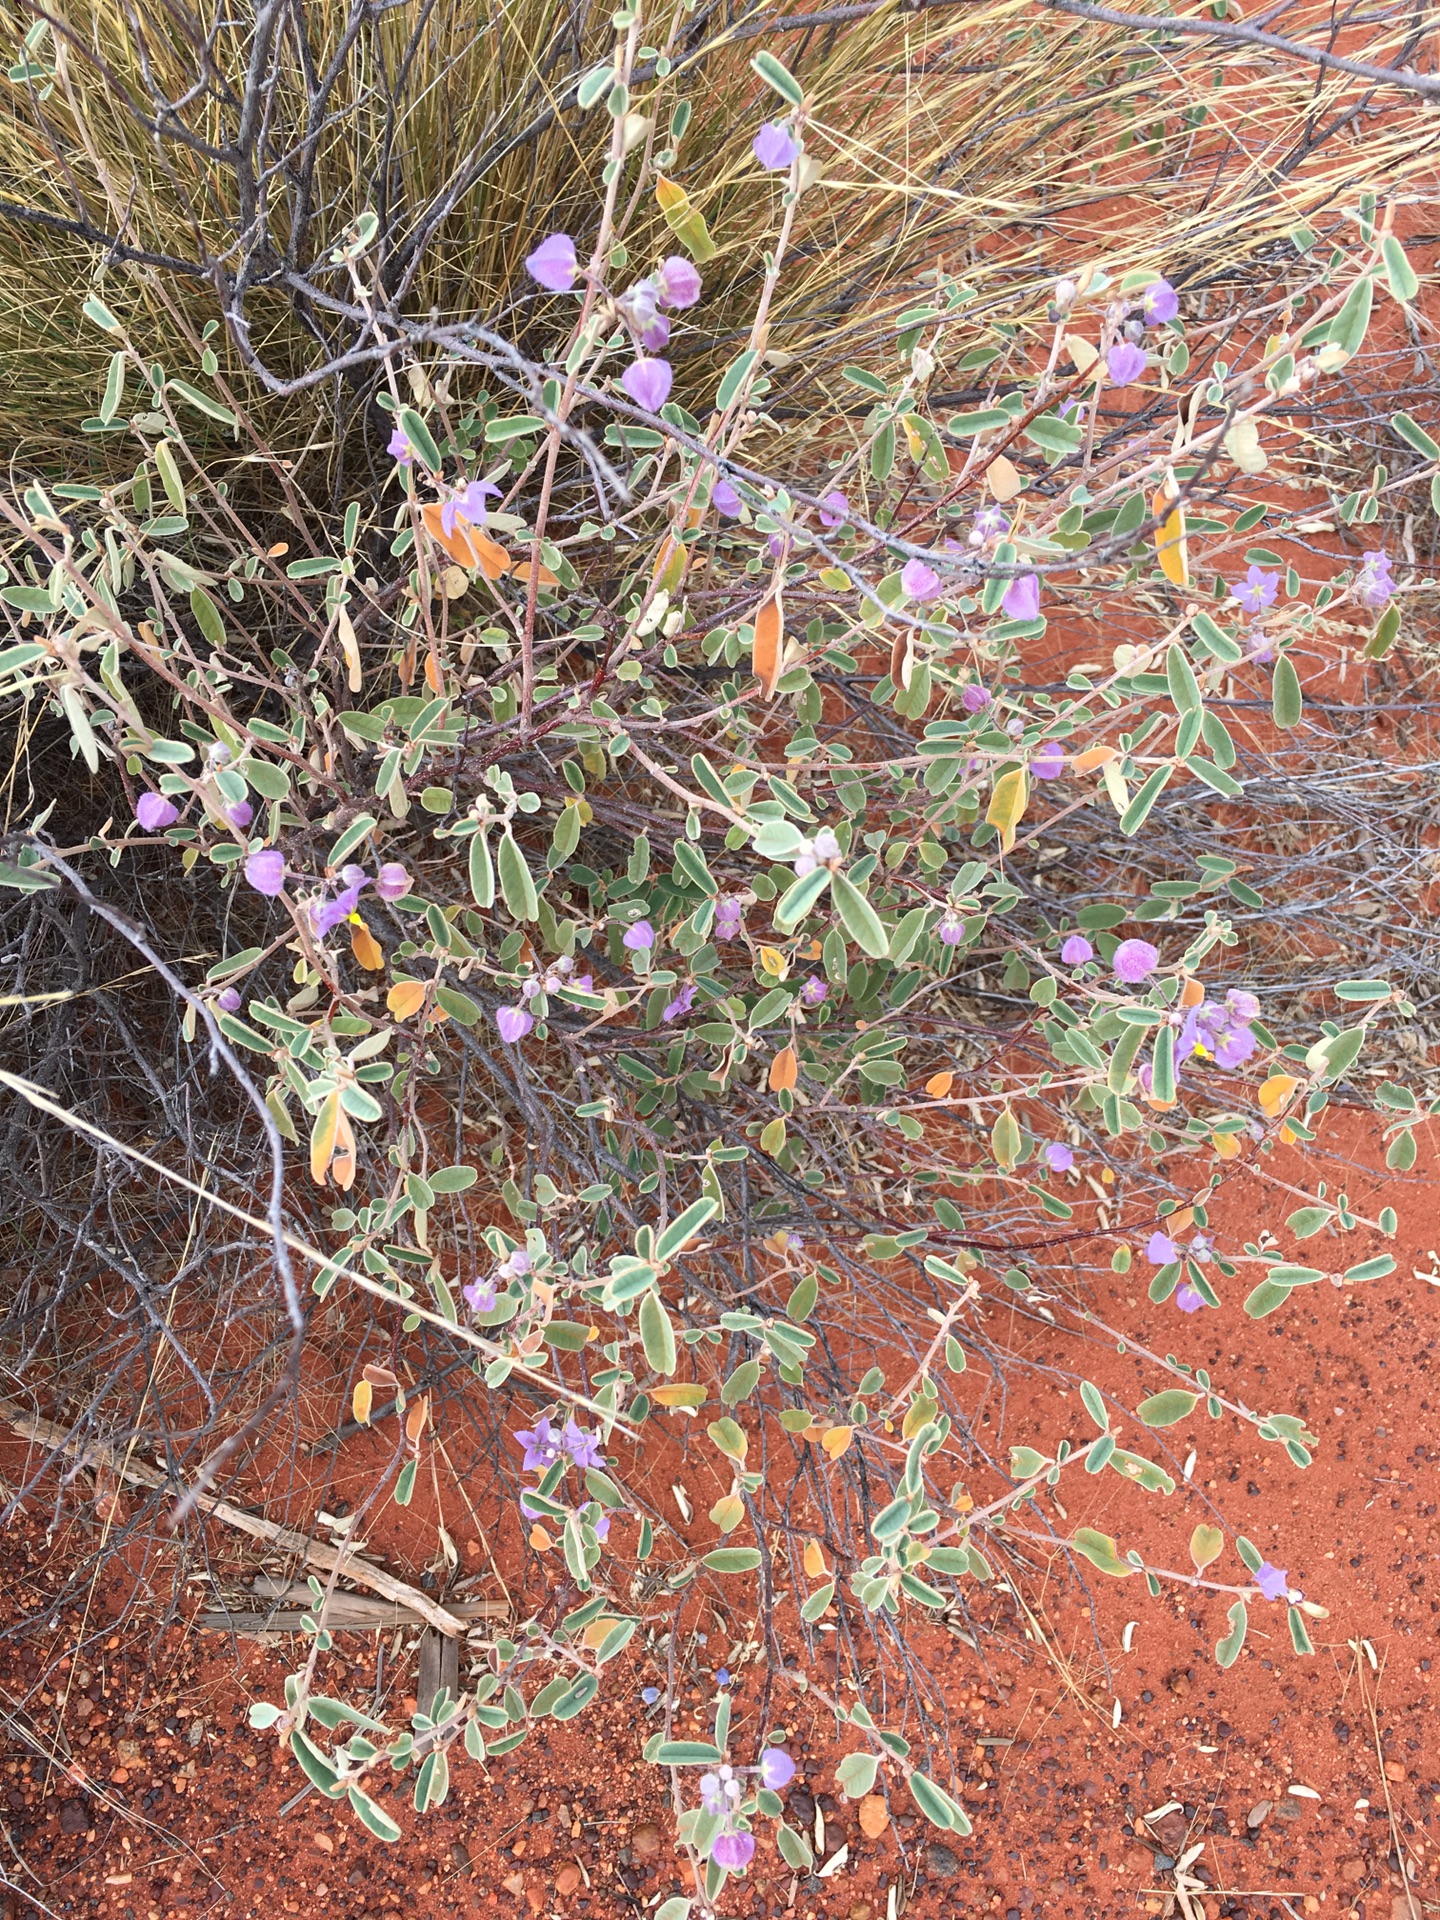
670, 563
467, 546
1226, 1145
769, 643
406, 998
815, 1561
874, 1816
939, 1084
379, 1376
1180, 1222
1288, 1135
1092, 757
361, 1401
835, 1440
540, 1539
342, 1165
366, 949
1275, 1092
784, 1070
547, 578
1192, 993
323, 1136
594, 1634
1170, 539
679, 1395
902, 659
415, 1420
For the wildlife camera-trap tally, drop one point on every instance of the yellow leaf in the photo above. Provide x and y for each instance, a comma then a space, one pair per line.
963, 1502
594, 1634
815, 1561
684, 222
784, 1070
1288, 1135
366, 949
1115, 786
406, 998
769, 644
1275, 1092
773, 962
1002, 482
323, 1137
678, 1395
1082, 355
835, 1440
1206, 1545
1226, 1145
361, 1401
670, 564
467, 546
913, 440
728, 1512
1008, 803
939, 1084
349, 646
1170, 539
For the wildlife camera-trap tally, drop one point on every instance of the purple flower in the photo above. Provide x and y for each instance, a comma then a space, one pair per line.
240, 815
650, 1695
1256, 591
1049, 762
729, 916
641, 306
919, 582
542, 1446
814, 991
1242, 1005
724, 499
1125, 363
722, 1677
399, 448
1159, 303
392, 882
677, 284
470, 501
1373, 584
648, 383
228, 1001
154, 811
1189, 1299
265, 870
583, 1448
1273, 1582
681, 1004
734, 1851
326, 915
1076, 950
773, 147
1235, 1046
777, 1769
974, 698
638, 937
480, 1295
514, 1023
952, 928
1160, 1249
1058, 1157
1134, 961
553, 263
991, 522
1022, 597
834, 509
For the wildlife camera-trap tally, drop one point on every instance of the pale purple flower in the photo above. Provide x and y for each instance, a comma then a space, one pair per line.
392, 882
1022, 597
154, 811
1159, 303
1125, 363
326, 915
601, 1527
1134, 961
228, 1000
1189, 1299
638, 937
729, 916
712, 1792
1076, 950
678, 282
265, 870
1048, 762
514, 1023
724, 499
919, 582
542, 1446
553, 263
641, 306
722, 1677
773, 147
1273, 1582
399, 448
583, 1448
470, 501
814, 991
1256, 591
974, 698
1373, 584
1235, 1046
240, 814
1241, 1005
834, 508
648, 383
516, 1263
952, 928
1201, 1247
1160, 1249
1058, 1157
734, 1851
991, 522
777, 1769
481, 1294
649, 1695
775, 546
681, 1004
